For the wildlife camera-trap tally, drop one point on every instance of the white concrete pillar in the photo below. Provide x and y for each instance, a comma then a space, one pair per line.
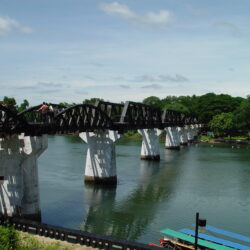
150, 144
190, 134
34, 147
195, 130
19, 194
183, 136
100, 161
11, 187
172, 138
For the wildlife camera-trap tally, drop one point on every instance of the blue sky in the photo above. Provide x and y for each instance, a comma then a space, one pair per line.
70, 50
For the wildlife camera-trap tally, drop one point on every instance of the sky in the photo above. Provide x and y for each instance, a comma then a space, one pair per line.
72, 50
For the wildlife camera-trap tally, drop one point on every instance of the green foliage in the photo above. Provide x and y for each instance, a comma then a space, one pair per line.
66, 104
153, 100
222, 124
242, 115
8, 238
133, 134
210, 104
24, 105
92, 100
178, 107
10, 103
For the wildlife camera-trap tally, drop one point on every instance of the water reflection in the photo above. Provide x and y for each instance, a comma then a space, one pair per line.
130, 217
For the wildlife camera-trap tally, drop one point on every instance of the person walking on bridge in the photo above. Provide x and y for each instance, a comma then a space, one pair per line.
44, 110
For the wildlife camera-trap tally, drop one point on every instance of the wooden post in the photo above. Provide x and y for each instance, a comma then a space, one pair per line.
196, 231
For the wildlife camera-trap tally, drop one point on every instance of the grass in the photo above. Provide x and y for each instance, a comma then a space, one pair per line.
10, 239
211, 138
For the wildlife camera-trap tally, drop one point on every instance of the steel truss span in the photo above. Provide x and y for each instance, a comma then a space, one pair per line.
88, 118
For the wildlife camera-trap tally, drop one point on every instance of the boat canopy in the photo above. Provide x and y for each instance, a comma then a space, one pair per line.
191, 239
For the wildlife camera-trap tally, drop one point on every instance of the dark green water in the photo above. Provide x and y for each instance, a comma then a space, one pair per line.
150, 196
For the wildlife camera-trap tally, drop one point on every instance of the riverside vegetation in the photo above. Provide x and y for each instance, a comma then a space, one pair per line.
10, 239
225, 116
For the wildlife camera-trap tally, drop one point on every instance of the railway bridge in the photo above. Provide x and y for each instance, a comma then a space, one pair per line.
23, 138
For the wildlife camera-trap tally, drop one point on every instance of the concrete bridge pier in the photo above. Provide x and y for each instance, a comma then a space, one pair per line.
150, 144
100, 161
183, 136
196, 130
19, 191
34, 147
172, 138
190, 134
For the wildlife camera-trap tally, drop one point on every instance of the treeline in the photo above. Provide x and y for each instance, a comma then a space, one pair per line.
224, 114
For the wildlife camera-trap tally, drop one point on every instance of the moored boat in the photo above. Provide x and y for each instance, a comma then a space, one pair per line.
188, 239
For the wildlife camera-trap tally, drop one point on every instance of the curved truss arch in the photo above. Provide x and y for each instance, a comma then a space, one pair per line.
81, 118
33, 115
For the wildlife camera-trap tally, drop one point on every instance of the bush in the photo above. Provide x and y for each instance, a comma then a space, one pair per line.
8, 238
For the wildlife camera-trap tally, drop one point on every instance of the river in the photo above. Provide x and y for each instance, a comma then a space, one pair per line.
149, 196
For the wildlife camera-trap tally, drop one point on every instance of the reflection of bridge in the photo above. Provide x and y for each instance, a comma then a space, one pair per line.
126, 219
23, 137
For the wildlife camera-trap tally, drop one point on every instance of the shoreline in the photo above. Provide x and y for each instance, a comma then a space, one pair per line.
138, 137
50, 242
225, 141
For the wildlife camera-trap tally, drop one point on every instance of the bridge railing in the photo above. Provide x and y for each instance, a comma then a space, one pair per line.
73, 236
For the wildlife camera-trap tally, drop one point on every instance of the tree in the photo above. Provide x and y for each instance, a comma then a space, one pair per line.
10, 103
222, 124
153, 101
66, 104
178, 107
242, 115
24, 105
210, 104
92, 100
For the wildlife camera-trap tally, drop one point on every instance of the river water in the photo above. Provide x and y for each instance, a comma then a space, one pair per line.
150, 196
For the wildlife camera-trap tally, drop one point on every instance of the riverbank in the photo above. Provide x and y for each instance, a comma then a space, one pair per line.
11, 238
207, 139
40, 242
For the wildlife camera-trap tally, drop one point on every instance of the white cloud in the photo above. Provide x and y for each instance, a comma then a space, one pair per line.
119, 9
162, 78
152, 86
7, 25
230, 27
176, 78
161, 18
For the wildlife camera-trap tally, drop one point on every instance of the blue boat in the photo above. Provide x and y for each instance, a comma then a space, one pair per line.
201, 239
